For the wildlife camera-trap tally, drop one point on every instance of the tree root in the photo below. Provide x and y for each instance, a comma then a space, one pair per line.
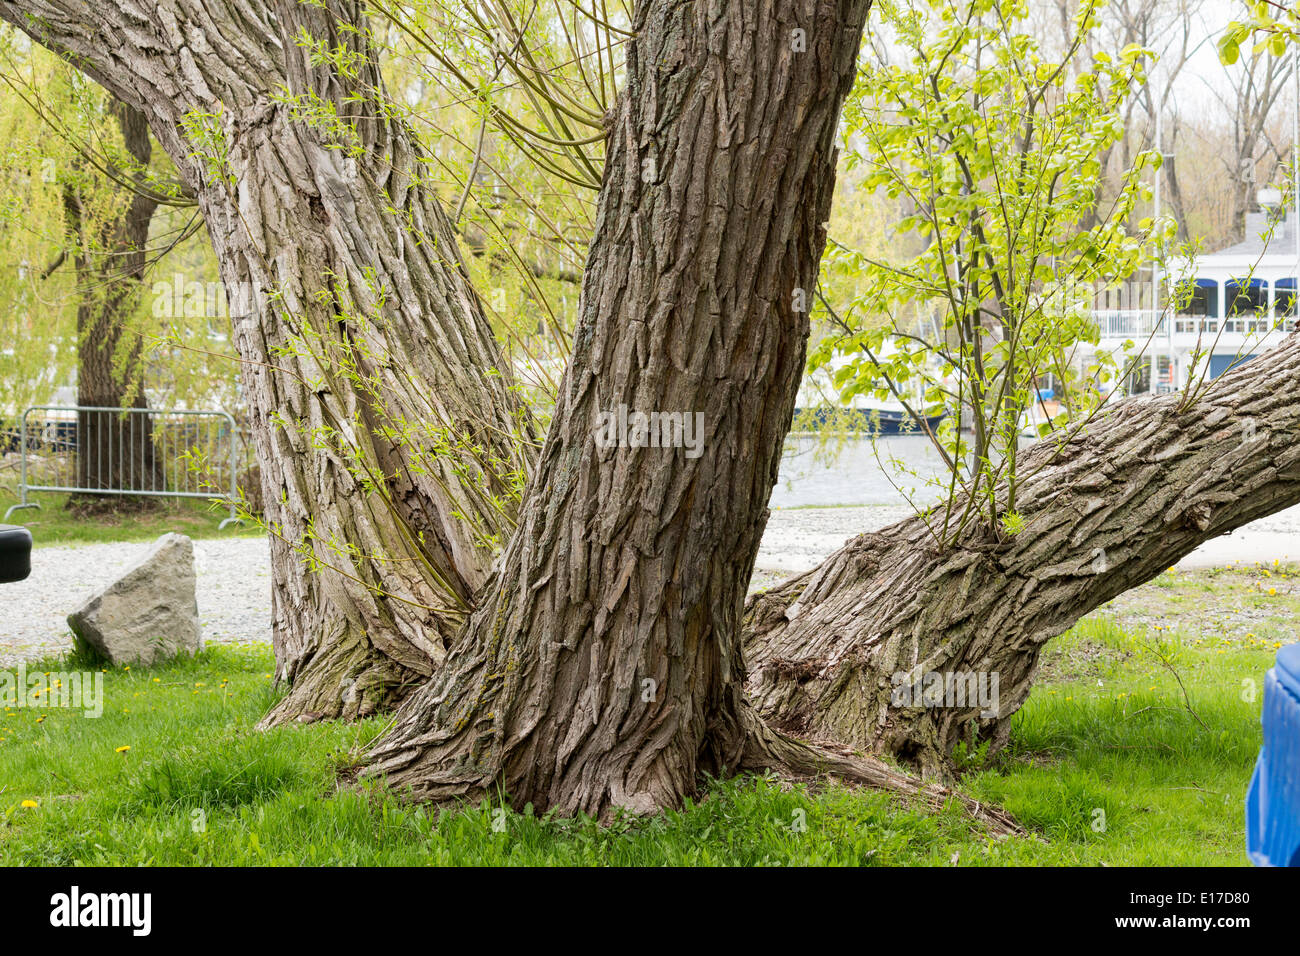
747, 745
346, 680
768, 749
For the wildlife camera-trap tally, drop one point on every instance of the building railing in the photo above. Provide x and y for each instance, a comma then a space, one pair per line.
1141, 323
1202, 325
1129, 323
148, 452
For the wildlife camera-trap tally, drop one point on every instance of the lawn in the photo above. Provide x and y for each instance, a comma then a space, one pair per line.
1134, 749
53, 523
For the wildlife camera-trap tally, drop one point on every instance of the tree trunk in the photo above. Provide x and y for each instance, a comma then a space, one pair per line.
388, 437
381, 347
1132, 493
603, 668
113, 451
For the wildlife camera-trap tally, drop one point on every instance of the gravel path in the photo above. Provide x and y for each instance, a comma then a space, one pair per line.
234, 576
800, 538
234, 593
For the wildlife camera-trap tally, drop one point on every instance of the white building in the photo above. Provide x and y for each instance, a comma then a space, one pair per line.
1224, 308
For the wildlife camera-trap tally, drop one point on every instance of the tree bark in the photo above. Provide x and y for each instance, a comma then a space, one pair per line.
1125, 498
597, 663
603, 668
382, 413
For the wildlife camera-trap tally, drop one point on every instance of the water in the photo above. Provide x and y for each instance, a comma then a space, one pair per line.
856, 473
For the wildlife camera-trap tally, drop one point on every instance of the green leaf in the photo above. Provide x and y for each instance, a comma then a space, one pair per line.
1229, 49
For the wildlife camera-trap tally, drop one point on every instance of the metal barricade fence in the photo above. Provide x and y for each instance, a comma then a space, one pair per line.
126, 451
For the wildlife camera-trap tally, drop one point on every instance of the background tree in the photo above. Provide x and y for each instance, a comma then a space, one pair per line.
1260, 145
37, 313
92, 153
999, 152
109, 257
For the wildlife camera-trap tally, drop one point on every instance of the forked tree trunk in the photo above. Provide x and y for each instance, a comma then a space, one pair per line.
352, 314
366, 360
598, 663
1138, 489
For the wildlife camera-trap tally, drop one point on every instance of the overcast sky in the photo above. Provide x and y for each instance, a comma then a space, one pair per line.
1204, 72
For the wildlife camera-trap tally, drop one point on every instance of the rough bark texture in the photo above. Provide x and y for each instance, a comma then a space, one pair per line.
1134, 492
603, 668
368, 267
352, 316
110, 262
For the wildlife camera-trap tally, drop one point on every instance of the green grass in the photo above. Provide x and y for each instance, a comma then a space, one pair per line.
53, 524
1106, 729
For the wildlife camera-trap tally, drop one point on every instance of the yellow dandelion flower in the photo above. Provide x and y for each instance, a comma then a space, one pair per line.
123, 749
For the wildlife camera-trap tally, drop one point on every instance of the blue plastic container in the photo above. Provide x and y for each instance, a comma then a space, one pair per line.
1273, 802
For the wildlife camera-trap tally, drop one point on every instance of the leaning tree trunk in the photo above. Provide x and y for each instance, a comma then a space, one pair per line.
603, 668
388, 436
113, 451
1129, 495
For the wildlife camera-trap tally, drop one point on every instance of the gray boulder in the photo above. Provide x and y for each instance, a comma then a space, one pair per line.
149, 613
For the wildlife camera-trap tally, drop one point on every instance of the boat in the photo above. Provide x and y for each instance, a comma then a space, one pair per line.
819, 405
874, 419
